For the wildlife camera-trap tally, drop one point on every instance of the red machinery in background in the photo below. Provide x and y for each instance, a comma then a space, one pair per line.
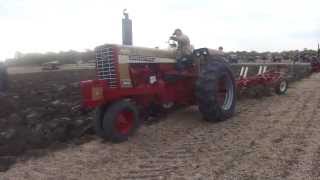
315, 63
264, 77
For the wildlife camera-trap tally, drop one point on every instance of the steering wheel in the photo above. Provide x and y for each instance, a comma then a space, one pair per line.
172, 43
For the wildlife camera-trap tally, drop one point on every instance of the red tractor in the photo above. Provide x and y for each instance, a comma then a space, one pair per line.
135, 83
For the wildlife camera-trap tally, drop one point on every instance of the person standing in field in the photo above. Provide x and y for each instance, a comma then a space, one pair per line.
220, 49
3, 78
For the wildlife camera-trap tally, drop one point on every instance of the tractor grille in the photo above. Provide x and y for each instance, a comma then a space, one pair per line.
106, 65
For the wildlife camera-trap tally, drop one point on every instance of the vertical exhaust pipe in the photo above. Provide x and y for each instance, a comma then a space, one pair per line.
126, 29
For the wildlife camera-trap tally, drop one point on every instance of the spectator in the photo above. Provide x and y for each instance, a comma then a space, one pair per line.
3, 78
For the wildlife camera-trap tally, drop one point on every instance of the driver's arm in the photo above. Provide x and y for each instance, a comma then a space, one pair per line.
174, 38
179, 39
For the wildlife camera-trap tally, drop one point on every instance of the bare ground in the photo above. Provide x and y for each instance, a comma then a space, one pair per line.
275, 137
41, 109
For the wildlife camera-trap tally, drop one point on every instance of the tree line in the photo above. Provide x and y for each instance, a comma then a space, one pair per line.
64, 57
72, 57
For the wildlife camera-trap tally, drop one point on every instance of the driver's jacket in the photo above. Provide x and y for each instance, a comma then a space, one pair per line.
184, 47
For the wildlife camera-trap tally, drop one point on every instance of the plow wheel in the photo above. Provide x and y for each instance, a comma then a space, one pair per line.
281, 87
216, 91
118, 121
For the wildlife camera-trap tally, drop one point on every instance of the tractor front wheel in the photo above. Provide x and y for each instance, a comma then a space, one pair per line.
118, 121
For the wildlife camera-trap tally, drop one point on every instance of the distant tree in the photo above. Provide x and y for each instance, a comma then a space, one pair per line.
18, 55
68, 57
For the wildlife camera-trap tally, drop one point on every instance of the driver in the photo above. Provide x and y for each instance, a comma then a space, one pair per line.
184, 47
184, 50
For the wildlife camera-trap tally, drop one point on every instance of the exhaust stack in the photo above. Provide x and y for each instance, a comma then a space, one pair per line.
126, 29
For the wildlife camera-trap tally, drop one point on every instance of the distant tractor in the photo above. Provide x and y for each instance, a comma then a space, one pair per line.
134, 83
54, 65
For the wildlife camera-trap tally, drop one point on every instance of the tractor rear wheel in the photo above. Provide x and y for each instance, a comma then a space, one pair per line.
216, 91
118, 121
281, 87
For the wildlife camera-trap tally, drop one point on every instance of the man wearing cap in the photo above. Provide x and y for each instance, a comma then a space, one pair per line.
220, 50
184, 49
3, 78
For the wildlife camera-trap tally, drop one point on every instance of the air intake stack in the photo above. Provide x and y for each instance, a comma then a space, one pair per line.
126, 29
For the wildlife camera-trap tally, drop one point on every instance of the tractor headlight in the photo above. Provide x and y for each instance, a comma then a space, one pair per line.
96, 93
201, 52
205, 53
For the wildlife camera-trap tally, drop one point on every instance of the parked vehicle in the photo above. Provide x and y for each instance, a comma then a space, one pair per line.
51, 66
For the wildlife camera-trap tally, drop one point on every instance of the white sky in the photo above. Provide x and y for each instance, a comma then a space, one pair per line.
55, 25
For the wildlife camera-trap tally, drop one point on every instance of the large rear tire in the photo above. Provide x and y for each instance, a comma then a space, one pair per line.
216, 91
118, 121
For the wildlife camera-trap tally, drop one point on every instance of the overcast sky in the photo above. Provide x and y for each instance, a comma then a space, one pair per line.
60, 25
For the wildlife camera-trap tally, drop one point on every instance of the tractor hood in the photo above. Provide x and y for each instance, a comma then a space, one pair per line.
143, 51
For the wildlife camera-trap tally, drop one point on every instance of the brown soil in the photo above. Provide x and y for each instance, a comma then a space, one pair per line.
39, 109
274, 137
